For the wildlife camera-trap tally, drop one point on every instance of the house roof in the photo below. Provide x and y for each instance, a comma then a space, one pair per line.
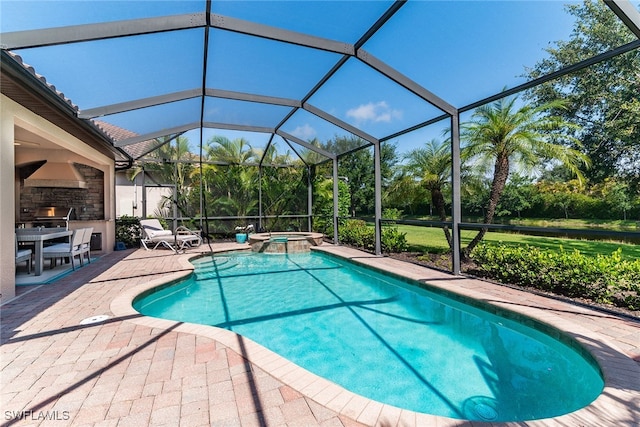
117, 133
21, 83
42, 79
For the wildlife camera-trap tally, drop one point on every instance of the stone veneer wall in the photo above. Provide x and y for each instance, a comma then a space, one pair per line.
282, 247
90, 198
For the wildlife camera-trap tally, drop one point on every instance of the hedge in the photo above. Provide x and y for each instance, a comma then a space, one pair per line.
602, 279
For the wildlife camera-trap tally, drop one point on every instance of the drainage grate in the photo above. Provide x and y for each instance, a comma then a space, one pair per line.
481, 408
485, 411
94, 319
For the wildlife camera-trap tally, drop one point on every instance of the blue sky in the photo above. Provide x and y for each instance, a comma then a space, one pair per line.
460, 50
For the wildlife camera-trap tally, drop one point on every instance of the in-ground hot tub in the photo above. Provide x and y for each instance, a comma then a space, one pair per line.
284, 242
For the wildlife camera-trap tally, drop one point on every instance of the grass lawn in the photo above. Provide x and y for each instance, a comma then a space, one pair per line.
429, 239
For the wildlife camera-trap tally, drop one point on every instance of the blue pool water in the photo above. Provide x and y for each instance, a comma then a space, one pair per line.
383, 337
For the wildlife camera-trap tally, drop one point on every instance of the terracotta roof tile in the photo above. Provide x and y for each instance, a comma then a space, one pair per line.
40, 77
113, 132
117, 133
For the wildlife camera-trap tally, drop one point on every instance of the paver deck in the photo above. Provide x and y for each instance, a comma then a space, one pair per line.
133, 370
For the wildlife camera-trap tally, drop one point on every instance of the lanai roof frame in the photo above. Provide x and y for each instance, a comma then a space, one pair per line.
209, 21
30, 39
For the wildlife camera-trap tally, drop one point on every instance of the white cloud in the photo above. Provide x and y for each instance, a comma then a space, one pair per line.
374, 112
305, 132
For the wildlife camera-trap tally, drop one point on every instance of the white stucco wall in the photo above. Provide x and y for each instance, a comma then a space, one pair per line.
7, 194
130, 194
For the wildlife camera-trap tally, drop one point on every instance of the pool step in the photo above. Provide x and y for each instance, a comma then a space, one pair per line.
217, 265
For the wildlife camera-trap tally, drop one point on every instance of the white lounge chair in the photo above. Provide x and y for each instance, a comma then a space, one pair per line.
153, 235
23, 255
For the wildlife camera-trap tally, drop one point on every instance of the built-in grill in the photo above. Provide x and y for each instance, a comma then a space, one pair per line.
52, 216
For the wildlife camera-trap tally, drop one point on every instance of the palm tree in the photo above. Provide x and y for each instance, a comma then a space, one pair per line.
283, 187
236, 152
505, 136
170, 168
404, 192
432, 166
234, 183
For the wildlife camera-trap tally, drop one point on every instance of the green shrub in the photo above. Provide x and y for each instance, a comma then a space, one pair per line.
603, 279
357, 233
128, 230
391, 213
393, 240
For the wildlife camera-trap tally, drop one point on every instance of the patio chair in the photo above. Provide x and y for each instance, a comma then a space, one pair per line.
154, 235
85, 245
23, 255
70, 249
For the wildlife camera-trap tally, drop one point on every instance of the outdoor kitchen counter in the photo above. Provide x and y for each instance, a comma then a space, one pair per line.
38, 236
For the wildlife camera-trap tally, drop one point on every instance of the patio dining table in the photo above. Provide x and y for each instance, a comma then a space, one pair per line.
38, 236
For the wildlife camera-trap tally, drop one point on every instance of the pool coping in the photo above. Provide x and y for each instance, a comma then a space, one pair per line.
618, 404
261, 242
312, 237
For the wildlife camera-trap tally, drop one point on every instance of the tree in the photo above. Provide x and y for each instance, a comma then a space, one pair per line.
432, 166
284, 188
618, 196
503, 136
404, 192
236, 152
358, 168
169, 168
516, 197
474, 193
323, 203
233, 184
602, 99
564, 195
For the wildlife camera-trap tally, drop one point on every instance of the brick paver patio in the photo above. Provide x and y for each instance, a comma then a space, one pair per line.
130, 370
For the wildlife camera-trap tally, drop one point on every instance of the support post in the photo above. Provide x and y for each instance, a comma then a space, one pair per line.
260, 197
144, 194
175, 206
456, 216
336, 211
309, 198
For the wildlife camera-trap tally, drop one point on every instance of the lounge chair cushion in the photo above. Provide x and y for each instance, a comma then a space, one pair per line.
158, 233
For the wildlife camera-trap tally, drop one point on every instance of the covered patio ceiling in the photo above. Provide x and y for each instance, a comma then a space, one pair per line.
287, 73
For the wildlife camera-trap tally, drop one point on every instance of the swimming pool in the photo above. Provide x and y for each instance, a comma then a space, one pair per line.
384, 338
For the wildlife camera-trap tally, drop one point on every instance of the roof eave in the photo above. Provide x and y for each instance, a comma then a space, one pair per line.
26, 88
